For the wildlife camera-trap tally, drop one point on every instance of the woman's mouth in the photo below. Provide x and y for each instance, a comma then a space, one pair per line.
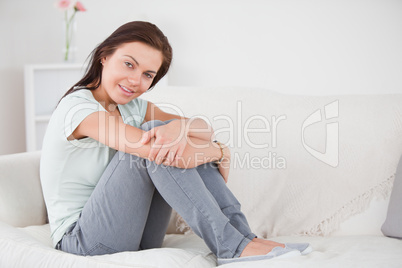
126, 91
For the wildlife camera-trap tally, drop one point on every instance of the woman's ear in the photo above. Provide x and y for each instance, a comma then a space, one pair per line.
102, 61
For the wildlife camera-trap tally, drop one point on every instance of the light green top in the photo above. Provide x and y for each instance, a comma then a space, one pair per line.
70, 170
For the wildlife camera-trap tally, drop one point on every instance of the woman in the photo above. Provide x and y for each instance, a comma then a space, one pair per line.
114, 165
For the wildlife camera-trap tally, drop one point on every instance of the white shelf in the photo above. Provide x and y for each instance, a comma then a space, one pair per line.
59, 66
45, 84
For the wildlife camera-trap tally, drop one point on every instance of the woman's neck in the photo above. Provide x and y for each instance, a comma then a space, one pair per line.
103, 98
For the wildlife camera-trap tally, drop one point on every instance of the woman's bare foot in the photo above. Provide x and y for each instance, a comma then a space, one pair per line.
257, 248
268, 242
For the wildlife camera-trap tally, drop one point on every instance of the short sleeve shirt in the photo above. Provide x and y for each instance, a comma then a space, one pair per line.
70, 170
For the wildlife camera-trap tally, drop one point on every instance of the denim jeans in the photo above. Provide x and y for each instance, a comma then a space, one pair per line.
130, 208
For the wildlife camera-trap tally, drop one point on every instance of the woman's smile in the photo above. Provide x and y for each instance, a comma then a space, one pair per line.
126, 91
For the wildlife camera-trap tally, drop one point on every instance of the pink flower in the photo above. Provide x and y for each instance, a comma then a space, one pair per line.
63, 4
79, 7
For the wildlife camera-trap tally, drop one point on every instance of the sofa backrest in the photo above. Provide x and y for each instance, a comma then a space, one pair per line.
300, 164
280, 167
21, 199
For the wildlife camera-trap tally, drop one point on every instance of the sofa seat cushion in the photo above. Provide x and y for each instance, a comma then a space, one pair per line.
31, 247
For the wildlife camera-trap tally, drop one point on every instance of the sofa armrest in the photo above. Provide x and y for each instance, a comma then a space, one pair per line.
21, 198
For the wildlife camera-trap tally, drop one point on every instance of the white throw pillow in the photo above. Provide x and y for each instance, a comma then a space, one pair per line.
300, 164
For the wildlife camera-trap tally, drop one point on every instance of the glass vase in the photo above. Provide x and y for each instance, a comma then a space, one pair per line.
69, 42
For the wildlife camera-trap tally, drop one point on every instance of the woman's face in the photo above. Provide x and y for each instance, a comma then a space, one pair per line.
129, 71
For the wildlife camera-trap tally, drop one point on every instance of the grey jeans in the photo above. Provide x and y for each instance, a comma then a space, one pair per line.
130, 208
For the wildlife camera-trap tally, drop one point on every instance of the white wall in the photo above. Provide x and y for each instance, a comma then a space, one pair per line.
300, 47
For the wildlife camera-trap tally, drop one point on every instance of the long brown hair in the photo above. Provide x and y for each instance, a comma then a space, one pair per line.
135, 31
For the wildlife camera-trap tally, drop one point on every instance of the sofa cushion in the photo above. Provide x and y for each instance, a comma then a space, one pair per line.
300, 164
393, 224
24, 247
21, 199
30, 247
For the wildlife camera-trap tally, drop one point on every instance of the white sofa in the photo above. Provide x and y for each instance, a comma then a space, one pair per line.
315, 169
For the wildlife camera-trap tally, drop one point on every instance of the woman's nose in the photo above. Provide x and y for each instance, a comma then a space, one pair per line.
134, 78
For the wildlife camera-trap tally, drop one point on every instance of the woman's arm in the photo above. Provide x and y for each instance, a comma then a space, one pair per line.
104, 128
192, 127
198, 128
184, 127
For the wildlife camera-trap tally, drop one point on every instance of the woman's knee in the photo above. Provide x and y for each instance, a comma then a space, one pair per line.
151, 124
154, 123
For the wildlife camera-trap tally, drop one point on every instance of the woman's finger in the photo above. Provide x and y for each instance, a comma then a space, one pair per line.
170, 157
180, 151
160, 158
146, 136
155, 148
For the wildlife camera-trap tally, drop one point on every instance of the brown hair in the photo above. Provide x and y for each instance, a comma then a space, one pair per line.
135, 31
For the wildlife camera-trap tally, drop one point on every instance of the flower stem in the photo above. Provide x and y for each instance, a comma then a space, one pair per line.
69, 35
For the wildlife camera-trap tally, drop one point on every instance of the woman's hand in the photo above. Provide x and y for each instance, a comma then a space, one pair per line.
224, 166
169, 144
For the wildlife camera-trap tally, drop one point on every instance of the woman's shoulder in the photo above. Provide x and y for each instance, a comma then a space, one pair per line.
78, 96
79, 99
80, 93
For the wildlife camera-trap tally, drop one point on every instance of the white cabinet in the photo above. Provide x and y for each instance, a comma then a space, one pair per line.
45, 84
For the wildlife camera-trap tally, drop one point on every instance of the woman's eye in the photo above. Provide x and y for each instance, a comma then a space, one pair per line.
128, 64
148, 75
